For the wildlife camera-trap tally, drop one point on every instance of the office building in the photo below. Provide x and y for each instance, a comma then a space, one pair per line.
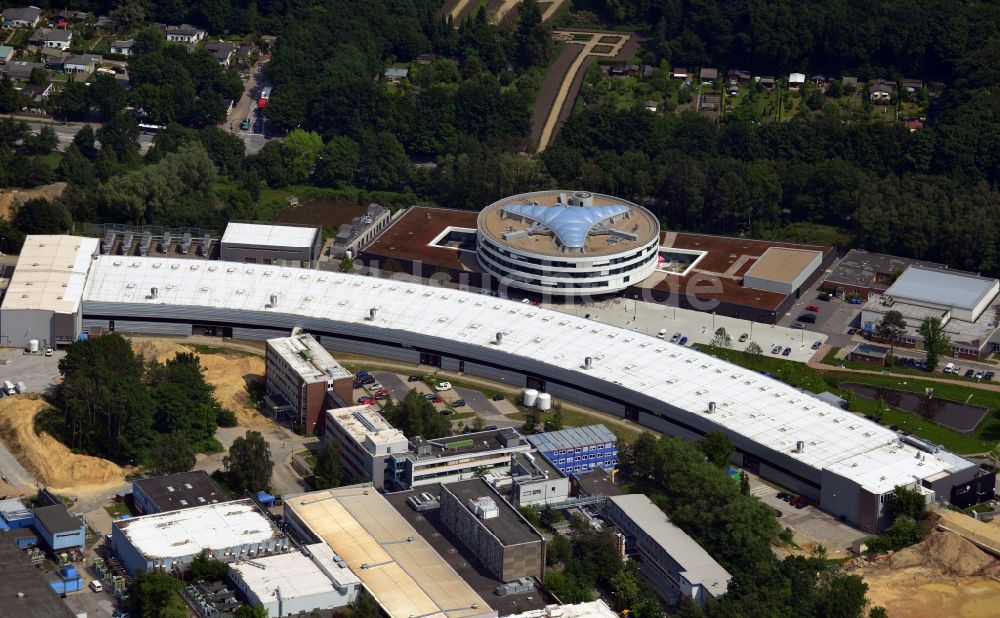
671, 560
535, 481
366, 440
578, 449
782, 270
455, 458
169, 541
297, 582
396, 565
172, 492
259, 243
298, 375
504, 542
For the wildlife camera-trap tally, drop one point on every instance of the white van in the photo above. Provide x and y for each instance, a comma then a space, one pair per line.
662, 334
96, 586
948, 368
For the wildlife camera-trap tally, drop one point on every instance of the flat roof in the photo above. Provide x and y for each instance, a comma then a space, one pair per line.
296, 574
879, 471
557, 226
572, 437
696, 564
466, 443
510, 527
268, 235
750, 405
176, 534
596, 482
181, 490
592, 609
782, 264
409, 237
406, 577
18, 575
57, 519
308, 358
366, 422
862, 268
538, 466
867, 349
942, 287
51, 273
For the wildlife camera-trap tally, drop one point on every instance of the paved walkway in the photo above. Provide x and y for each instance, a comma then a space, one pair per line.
815, 363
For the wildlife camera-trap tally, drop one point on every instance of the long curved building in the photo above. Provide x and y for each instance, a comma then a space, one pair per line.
846, 463
567, 243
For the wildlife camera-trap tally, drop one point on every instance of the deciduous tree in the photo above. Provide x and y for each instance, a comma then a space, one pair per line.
248, 465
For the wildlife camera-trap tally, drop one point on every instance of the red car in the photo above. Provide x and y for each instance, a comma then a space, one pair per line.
366, 401
437, 400
381, 391
813, 308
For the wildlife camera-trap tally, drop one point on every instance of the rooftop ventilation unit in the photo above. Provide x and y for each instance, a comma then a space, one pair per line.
711, 407
274, 301
153, 292
499, 339
126, 247
800, 446
588, 362
145, 243
371, 314
186, 243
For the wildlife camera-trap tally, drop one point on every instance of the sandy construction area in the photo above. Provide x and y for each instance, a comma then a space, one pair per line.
8, 197
47, 459
945, 575
228, 372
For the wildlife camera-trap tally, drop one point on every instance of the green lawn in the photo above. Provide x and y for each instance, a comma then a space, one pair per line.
801, 376
572, 418
118, 509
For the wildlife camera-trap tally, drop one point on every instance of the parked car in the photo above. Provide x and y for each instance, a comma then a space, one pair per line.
744, 337
817, 345
776, 349
813, 308
48, 352
662, 334
413, 379
798, 325
430, 396
366, 401
382, 395
374, 386
458, 403
498, 397
446, 412
970, 373
676, 337
381, 391
988, 375
786, 352
807, 318
782, 495
777, 513
437, 399
443, 386
490, 428
980, 374
851, 331
823, 296
683, 341
855, 301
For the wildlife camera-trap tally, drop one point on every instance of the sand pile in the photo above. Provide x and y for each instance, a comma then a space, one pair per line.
47, 459
10, 197
947, 552
228, 373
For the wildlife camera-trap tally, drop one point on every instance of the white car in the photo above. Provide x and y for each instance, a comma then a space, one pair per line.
374, 386
48, 351
443, 386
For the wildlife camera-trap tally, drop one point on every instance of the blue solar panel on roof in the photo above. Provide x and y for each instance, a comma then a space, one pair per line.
571, 224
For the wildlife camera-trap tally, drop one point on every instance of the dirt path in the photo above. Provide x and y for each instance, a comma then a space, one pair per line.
553, 9
9, 197
572, 76
96, 41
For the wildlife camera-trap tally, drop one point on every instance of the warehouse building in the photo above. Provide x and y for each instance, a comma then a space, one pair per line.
168, 541
395, 564
578, 449
258, 243
504, 542
671, 560
367, 441
14, 515
298, 375
780, 433
59, 529
298, 582
172, 492
966, 304
782, 270
43, 299
867, 274
454, 458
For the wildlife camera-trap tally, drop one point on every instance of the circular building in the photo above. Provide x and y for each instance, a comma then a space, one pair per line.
567, 243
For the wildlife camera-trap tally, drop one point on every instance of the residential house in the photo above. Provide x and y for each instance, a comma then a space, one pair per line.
184, 33
69, 15
819, 80
221, 51
37, 92
708, 76
680, 73
6, 54
19, 70
849, 83
54, 59
56, 39
738, 76
880, 93
795, 80
122, 48
395, 75
82, 63
651, 106
647, 71
425, 59
21, 17
105, 23
914, 124
912, 85
767, 82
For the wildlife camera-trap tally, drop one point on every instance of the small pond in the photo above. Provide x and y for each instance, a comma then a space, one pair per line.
952, 414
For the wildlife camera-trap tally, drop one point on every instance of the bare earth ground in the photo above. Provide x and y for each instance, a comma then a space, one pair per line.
945, 575
227, 372
8, 197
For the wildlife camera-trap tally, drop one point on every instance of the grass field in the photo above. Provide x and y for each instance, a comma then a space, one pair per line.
984, 438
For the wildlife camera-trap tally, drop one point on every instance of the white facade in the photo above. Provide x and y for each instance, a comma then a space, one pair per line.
366, 441
287, 584
567, 244
536, 481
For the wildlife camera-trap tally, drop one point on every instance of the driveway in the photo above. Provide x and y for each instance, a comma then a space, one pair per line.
810, 524
477, 402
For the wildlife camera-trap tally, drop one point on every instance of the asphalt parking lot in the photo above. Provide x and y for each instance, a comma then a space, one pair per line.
37, 371
809, 523
481, 405
397, 387
89, 603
